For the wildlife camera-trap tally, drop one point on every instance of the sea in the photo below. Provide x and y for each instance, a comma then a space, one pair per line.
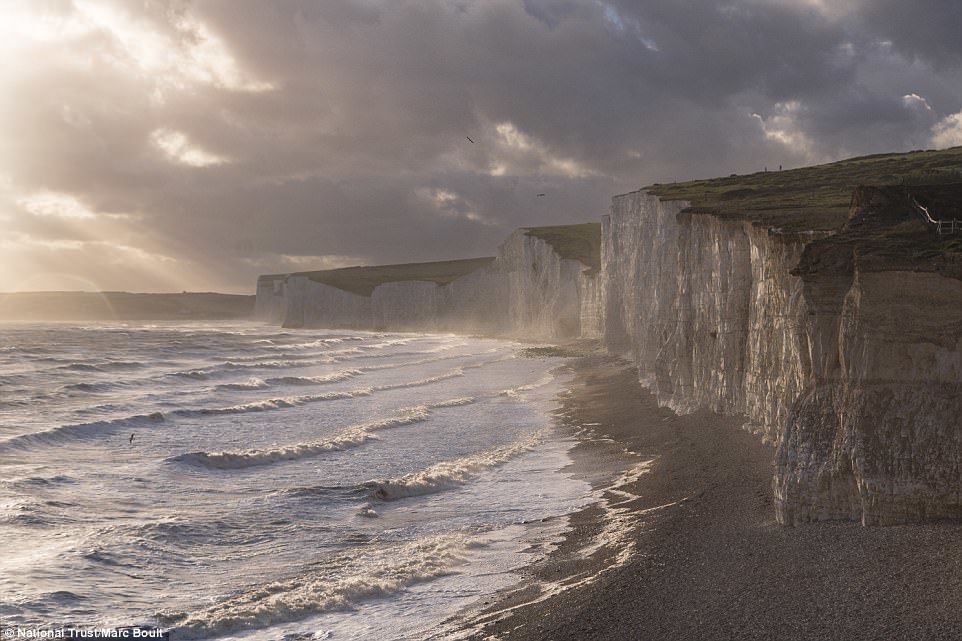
233, 480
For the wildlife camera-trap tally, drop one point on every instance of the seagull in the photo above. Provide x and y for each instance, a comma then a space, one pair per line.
540, 195
469, 139
131, 439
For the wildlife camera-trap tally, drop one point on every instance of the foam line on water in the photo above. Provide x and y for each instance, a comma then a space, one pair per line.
346, 579
448, 474
66, 432
349, 437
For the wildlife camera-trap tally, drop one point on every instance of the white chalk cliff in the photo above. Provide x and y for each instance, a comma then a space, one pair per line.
528, 291
854, 373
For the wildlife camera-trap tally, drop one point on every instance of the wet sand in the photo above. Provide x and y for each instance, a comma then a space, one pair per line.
708, 559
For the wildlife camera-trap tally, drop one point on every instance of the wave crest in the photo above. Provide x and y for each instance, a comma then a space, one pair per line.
353, 436
347, 578
447, 474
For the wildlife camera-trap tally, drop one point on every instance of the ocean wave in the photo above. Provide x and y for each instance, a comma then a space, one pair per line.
272, 364
447, 474
177, 530
73, 431
251, 363
273, 403
194, 374
99, 366
456, 373
336, 377
91, 387
30, 352
37, 481
454, 402
82, 430
518, 392
249, 384
81, 367
272, 357
349, 437
345, 579
122, 365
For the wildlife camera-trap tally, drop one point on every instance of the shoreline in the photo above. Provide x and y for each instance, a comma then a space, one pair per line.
698, 553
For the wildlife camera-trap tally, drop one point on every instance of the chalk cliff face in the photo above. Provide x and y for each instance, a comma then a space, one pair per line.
876, 434
270, 302
707, 308
529, 291
544, 290
308, 303
850, 364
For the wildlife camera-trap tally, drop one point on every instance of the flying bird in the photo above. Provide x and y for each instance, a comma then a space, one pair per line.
131, 439
540, 195
469, 139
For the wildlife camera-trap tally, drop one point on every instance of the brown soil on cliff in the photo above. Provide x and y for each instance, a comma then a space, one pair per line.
713, 564
887, 231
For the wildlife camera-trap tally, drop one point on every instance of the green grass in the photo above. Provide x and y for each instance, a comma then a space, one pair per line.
363, 280
811, 198
577, 242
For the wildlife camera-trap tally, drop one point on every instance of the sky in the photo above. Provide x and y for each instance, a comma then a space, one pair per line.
168, 146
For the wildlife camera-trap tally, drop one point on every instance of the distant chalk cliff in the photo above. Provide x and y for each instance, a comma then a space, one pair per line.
532, 289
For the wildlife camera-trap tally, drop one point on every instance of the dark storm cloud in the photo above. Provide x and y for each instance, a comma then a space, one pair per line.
357, 151
927, 29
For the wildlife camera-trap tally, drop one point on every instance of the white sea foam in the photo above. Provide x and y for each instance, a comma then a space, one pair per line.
455, 373
275, 403
517, 393
251, 383
347, 579
352, 436
448, 474
271, 544
65, 433
334, 377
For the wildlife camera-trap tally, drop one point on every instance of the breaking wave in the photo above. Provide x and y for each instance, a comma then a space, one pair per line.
347, 578
455, 373
336, 377
251, 383
352, 436
273, 403
517, 393
447, 474
74, 431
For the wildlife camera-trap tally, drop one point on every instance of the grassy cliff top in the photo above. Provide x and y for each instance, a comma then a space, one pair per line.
577, 242
810, 198
363, 280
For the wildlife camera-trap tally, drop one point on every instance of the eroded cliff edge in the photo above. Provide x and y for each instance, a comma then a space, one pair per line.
876, 433
844, 350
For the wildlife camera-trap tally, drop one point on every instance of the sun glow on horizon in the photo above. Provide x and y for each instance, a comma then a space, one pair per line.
56, 233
